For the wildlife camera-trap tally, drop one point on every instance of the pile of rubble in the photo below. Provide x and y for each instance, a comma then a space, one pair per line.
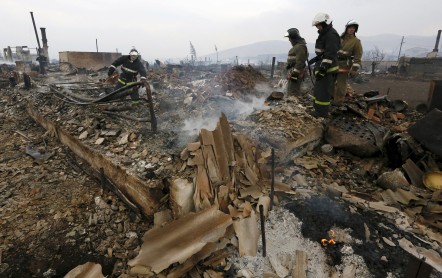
240, 79
193, 194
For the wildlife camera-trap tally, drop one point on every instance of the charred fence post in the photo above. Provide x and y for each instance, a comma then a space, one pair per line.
103, 178
272, 189
273, 67
263, 232
153, 119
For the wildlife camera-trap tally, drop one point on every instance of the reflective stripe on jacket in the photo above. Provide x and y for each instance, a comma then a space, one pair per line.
130, 69
327, 45
350, 53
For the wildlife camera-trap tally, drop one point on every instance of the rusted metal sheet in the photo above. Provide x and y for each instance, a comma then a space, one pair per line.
181, 239
418, 268
359, 137
435, 95
428, 131
414, 173
147, 199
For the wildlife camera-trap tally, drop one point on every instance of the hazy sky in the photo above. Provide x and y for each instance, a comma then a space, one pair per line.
163, 28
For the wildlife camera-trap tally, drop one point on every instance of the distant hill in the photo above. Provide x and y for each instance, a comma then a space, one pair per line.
262, 52
413, 46
256, 51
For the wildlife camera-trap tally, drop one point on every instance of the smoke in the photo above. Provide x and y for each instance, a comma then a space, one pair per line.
221, 102
193, 126
4, 62
241, 109
233, 109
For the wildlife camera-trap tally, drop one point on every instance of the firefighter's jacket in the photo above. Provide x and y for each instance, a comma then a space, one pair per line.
350, 53
298, 56
326, 48
130, 69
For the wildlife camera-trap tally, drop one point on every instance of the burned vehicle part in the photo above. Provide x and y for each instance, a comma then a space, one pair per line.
358, 136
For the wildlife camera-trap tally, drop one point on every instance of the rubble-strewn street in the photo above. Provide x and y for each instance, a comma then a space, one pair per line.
88, 185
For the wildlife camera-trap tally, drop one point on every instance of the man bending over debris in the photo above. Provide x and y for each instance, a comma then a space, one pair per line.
131, 66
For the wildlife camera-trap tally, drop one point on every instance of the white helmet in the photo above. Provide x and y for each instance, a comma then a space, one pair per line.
133, 54
321, 17
352, 23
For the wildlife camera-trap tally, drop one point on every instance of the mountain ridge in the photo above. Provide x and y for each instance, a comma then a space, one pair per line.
389, 44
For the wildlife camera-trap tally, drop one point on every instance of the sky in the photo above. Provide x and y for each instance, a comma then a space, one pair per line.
163, 29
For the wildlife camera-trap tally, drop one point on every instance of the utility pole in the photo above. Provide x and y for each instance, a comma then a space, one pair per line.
399, 55
41, 58
400, 48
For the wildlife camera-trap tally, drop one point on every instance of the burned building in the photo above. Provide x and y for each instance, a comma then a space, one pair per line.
422, 67
21, 53
430, 66
88, 60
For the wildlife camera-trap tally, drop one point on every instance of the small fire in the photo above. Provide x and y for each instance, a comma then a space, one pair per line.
330, 241
326, 242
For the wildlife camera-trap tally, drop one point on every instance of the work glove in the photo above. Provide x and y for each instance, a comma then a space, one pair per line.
111, 71
353, 72
320, 72
293, 75
143, 80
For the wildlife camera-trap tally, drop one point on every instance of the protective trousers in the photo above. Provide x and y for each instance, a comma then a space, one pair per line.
341, 87
294, 87
322, 93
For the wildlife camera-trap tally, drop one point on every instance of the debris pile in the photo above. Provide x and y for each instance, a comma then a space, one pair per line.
185, 198
240, 79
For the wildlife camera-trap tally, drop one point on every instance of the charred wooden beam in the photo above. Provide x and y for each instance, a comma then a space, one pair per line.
153, 119
146, 199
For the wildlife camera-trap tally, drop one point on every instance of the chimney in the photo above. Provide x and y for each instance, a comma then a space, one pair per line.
9, 54
437, 42
45, 42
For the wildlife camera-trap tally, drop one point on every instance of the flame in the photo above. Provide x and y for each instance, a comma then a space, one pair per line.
326, 242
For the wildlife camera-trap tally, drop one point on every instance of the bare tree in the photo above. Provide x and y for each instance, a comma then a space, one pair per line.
376, 56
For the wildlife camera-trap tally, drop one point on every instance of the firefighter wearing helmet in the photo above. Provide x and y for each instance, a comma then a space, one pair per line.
349, 60
296, 60
326, 48
131, 66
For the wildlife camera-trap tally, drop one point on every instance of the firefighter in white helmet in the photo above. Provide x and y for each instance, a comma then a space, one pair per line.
131, 66
296, 60
349, 60
326, 64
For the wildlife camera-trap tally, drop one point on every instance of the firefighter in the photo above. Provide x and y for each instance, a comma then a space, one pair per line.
296, 60
326, 47
349, 59
131, 66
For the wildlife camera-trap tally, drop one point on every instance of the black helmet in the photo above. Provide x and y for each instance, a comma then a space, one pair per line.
292, 33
